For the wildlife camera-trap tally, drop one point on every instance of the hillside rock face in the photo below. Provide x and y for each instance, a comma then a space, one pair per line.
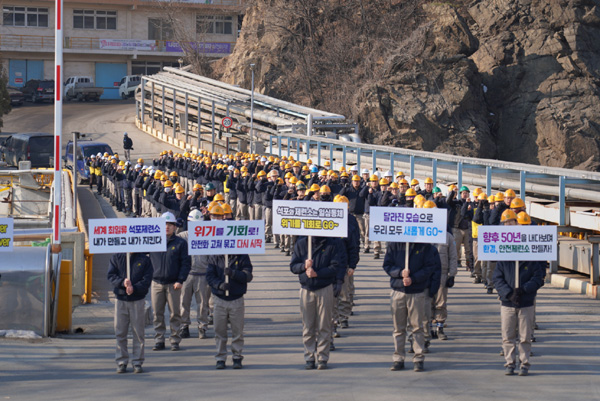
540, 62
515, 80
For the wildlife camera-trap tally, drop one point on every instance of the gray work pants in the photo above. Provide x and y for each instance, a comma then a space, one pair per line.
317, 309
407, 309
231, 312
165, 294
242, 211
197, 287
129, 313
440, 302
464, 237
517, 328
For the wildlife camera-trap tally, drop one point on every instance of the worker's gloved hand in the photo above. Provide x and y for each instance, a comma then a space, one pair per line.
228, 271
450, 282
224, 287
515, 296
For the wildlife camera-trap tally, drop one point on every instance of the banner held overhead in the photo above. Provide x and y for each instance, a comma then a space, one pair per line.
127, 235
321, 219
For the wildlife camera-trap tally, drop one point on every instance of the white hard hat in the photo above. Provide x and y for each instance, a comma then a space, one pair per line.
195, 215
230, 168
263, 159
365, 171
354, 168
377, 173
99, 154
388, 174
170, 217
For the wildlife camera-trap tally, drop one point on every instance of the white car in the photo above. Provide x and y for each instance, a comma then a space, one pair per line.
128, 85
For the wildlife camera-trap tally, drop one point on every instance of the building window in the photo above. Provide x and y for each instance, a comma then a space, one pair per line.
215, 25
150, 67
159, 29
25, 16
94, 19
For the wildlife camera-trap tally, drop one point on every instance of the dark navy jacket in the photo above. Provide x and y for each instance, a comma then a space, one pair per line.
141, 275
531, 278
238, 281
173, 265
329, 261
423, 259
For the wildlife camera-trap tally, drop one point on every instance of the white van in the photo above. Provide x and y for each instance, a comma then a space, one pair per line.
128, 85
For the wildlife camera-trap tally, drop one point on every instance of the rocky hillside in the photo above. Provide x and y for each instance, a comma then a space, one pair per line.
514, 80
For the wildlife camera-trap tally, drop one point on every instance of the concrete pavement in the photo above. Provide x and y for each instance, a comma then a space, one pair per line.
466, 367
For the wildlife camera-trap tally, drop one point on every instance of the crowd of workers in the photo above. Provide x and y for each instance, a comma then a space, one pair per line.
187, 187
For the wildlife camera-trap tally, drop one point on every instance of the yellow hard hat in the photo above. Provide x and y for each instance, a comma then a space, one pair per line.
342, 168
403, 182
491, 199
309, 161
476, 192
410, 192
523, 219
197, 187
499, 197
482, 196
508, 215
227, 209
140, 160
419, 200
400, 174
294, 180
157, 175
261, 173
216, 209
173, 174
394, 185
373, 178
517, 203
414, 181
218, 198
384, 181
429, 205
244, 169
179, 190
509, 193
343, 175
168, 184
288, 175
327, 163
324, 189
428, 180
355, 178
314, 188
340, 199
297, 164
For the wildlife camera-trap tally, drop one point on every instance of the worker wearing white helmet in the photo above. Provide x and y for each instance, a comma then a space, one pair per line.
195, 286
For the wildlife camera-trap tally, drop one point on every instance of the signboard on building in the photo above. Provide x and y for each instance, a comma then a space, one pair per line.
6, 234
200, 47
517, 243
399, 224
226, 237
128, 44
127, 235
321, 219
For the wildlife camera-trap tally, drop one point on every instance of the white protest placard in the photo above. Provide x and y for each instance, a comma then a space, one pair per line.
6, 234
517, 243
402, 224
321, 219
127, 235
226, 237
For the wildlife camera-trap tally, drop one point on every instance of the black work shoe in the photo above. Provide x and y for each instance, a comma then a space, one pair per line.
122, 368
411, 349
185, 332
310, 365
322, 365
509, 371
397, 366
335, 333
477, 280
174, 347
201, 333
490, 290
220, 365
210, 319
367, 250
344, 324
418, 366
158, 347
376, 256
237, 364
426, 347
287, 253
524, 371
137, 369
501, 352
276, 246
331, 346
440, 334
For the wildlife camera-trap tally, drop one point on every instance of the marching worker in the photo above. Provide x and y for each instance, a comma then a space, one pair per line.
171, 269
130, 293
317, 274
517, 298
407, 299
228, 284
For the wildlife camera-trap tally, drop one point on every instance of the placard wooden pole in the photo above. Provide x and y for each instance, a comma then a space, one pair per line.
226, 276
406, 251
516, 274
128, 256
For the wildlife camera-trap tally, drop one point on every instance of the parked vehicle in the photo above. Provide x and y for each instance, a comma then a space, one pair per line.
37, 90
82, 88
36, 147
128, 85
16, 96
85, 149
